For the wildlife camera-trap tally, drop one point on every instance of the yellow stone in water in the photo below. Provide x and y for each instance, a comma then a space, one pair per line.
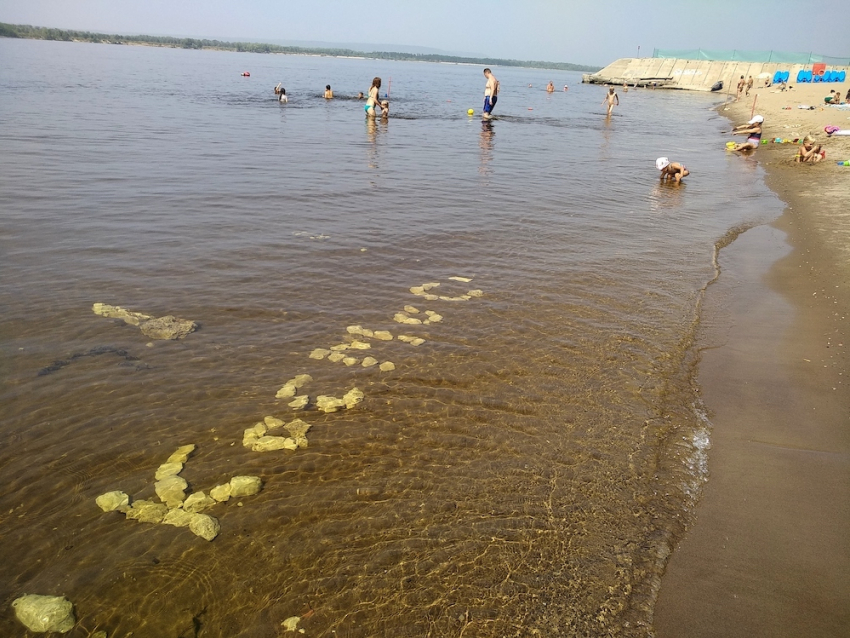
197, 502
475, 293
178, 518
427, 287
431, 297
319, 353
43, 614
272, 443
112, 501
245, 485
383, 335
359, 330
272, 422
168, 469
221, 493
417, 290
329, 404
360, 345
417, 342
300, 402
171, 490
298, 428
353, 397
411, 309
349, 361
465, 280
387, 366
204, 526
181, 454
336, 356
368, 362
291, 623
339, 346
286, 392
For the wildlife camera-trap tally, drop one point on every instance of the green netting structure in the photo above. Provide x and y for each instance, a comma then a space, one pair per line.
737, 55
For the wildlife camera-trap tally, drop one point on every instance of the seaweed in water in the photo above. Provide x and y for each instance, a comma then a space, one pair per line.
93, 352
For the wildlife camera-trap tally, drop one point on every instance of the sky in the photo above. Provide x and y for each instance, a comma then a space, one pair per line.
578, 31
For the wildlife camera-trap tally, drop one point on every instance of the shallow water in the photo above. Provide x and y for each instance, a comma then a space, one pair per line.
525, 469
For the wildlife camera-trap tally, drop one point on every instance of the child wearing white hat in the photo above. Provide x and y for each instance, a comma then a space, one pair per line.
753, 131
671, 170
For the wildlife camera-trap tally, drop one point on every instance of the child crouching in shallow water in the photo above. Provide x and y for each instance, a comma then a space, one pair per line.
671, 170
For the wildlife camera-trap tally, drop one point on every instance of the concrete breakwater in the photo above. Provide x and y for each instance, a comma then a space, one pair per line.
693, 75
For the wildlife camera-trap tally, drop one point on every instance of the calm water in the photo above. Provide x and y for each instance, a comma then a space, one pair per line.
522, 472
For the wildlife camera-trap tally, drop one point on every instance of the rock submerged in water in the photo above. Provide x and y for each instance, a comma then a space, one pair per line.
198, 502
383, 335
45, 613
168, 327
291, 623
386, 366
319, 353
177, 518
360, 330
117, 312
353, 397
300, 403
245, 485
465, 280
147, 512
204, 526
412, 310
329, 404
221, 493
402, 317
113, 501
359, 345
272, 443
336, 357
181, 454
168, 469
349, 361
368, 362
171, 490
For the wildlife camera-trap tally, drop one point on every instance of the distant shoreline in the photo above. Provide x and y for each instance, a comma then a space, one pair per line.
65, 35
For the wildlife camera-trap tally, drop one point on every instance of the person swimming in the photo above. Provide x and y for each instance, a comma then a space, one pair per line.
282, 95
328, 92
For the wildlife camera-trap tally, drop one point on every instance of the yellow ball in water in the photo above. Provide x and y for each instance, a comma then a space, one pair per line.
471, 112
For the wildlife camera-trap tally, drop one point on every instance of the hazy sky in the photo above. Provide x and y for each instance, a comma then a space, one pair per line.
580, 31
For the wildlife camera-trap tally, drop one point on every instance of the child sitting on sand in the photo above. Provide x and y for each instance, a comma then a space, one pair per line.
671, 170
809, 152
753, 131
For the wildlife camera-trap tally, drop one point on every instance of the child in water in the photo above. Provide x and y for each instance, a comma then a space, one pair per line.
328, 92
671, 170
282, 95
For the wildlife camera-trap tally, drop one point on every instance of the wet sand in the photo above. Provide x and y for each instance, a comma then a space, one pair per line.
769, 552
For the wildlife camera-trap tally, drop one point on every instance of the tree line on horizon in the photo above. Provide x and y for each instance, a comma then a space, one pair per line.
45, 33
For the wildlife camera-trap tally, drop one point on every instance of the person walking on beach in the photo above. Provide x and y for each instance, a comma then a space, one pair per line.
491, 93
374, 100
741, 84
611, 98
749, 86
752, 130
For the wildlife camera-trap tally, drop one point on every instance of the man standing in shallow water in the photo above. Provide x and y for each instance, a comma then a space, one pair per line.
491, 93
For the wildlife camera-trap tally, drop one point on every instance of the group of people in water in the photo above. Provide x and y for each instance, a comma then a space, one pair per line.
373, 101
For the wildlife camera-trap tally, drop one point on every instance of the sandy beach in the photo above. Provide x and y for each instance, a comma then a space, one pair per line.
769, 552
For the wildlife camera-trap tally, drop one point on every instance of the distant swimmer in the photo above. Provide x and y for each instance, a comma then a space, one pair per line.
491, 93
611, 98
328, 92
360, 95
566, 88
752, 130
671, 170
373, 101
277, 88
625, 87
550, 88
282, 96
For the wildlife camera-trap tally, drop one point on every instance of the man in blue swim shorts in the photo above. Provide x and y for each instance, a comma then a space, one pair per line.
491, 93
